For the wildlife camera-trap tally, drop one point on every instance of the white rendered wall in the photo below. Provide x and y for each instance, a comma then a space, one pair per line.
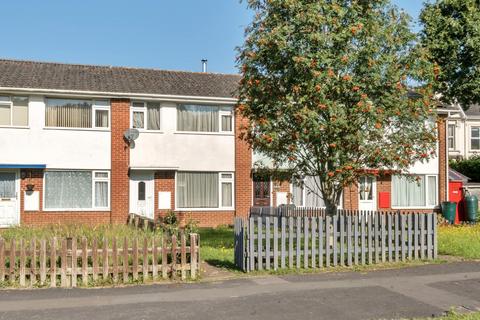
57, 148
182, 151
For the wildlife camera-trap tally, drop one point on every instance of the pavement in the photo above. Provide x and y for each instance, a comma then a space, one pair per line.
421, 291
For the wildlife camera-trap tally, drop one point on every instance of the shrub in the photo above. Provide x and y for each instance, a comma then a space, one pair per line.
469, 167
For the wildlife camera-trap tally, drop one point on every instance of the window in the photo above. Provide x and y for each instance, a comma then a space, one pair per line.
76, 190
204, 190
307, 193
475, 138
71, 113
201, 118
7, 185
146, 115
141, 191
366, 188
14, 111
451, 136
417, 191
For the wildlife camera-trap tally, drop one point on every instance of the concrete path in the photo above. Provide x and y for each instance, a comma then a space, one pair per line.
389, 294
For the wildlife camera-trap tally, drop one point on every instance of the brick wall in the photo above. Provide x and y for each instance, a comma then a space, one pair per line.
120, 115
243, 169
350, 197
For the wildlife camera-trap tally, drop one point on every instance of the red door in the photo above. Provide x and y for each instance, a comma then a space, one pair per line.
455, 195
261, 191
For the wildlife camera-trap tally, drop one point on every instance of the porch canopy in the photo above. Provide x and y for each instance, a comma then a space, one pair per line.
22, 166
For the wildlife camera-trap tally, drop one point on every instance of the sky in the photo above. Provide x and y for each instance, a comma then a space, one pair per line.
163, 34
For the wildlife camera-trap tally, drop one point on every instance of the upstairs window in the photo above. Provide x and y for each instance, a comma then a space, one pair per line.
202, 118
72, 113
146, 115
451, 136
13, 111
475, 138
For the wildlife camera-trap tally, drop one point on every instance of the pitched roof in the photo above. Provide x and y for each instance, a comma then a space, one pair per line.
473, 111
75, 77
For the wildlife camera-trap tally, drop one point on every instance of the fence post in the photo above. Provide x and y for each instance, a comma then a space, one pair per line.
84, 261
67, 256
114, 260
275, 243
13, 261
105, 263
43, 261
63, 260
183, 255
193, 256
435, 239
33, 262
2, 259
22, 262
73, 264
53, 263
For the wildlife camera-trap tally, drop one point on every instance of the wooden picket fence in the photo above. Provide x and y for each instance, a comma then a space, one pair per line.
347, 238
66, 262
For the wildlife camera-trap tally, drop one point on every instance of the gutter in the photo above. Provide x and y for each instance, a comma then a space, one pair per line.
129, 95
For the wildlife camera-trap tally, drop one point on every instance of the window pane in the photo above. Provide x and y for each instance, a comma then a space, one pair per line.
197, 189
101, 174
5, 115
197, 118
101, 118
475, 144
138, 105
226, 123
141, 191
68, 189
226, 194
408, 192
153, 110
20, 111
7, 185
101, 194
227, 176
475, 132
66, 113
138, 120
432, 191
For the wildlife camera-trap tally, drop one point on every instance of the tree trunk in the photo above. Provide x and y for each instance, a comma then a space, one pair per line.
331, 207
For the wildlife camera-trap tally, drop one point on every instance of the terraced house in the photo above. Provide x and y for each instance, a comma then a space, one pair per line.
68, 153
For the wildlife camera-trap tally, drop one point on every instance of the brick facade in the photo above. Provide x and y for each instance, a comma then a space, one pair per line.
243, 168
120, 152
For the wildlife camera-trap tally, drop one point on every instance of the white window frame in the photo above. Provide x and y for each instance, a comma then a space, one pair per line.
304, 197
145, 116
96, 105
220, 114
426, 206
220, 189
94, 179
451, 125
10, 104
474, 138
220, 180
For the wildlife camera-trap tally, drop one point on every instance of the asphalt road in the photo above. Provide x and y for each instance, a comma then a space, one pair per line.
389, 294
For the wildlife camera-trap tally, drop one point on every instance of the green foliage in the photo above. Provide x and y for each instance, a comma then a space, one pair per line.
469, 167
452, 36
170, 223
325, 89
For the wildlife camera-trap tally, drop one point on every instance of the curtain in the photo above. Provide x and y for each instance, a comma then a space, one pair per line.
226, 194
7, 185
101, 118
407, 192
197, 189
68, 113
101, 194
197, 118
297, 195
5, 115
68, 189
20, 111
312, 193
138, 120
153, 116
226, 123
432, 190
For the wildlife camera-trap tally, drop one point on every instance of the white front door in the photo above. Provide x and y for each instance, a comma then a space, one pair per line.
367, 189
142, 193
9, 200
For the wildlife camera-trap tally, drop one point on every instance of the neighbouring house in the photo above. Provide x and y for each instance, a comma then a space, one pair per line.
66, 157
463, 133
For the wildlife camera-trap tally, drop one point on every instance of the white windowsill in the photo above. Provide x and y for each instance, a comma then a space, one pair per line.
14, 127
78, 129
149, 131
204, 209
76, 210
205, 133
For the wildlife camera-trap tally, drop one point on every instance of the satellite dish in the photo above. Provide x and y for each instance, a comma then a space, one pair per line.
131, 135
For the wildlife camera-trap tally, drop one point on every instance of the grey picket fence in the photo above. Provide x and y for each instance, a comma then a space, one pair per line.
345, 239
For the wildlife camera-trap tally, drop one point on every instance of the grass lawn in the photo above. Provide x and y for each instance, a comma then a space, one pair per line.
456, 316
462, 241
217, 246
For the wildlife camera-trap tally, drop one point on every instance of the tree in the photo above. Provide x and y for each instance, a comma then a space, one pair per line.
451, 32
324, 87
